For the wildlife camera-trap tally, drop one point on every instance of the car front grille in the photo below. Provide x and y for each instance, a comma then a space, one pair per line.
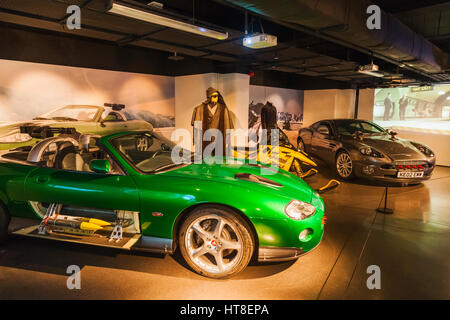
411, 165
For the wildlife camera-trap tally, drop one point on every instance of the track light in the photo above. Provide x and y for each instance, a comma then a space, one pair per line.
147, 16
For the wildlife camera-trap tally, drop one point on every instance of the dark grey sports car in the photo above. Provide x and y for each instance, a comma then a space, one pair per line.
364, 149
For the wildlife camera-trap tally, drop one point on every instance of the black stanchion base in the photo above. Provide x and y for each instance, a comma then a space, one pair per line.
385, 210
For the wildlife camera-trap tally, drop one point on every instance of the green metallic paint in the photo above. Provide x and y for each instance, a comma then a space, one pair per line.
171, 193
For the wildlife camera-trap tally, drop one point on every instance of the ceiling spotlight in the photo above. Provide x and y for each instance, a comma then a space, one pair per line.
143, 14
174, 57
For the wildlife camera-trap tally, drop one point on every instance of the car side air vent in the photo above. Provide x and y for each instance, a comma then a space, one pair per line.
257, 179
261, 166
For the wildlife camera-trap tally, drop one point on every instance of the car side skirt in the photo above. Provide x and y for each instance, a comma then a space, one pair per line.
154, 244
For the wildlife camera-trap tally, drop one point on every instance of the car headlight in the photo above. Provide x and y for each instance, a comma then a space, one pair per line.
299, 210
15, 138
371, 152
426, 151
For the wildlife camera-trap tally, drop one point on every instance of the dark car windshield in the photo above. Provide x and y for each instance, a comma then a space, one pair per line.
349, 127
148, 151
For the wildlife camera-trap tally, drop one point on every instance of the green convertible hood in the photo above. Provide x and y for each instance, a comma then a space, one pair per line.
281, 182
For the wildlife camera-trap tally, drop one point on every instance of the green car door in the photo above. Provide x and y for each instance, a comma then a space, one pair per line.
85, 189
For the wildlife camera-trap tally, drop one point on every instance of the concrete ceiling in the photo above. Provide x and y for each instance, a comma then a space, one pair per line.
297, 53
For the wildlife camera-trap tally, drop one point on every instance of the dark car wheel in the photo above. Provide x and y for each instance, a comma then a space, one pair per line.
300, 145
344, 165
4, 222
216, 242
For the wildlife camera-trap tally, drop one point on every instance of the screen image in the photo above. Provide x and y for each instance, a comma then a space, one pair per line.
422, 109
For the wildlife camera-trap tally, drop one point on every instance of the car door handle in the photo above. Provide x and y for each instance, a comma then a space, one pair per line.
42, 179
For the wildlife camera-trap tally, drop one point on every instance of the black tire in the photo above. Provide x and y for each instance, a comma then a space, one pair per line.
4, 223
235, 231
342, 173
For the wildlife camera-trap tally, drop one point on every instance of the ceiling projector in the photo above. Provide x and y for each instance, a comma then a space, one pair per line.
259, 40
370, 69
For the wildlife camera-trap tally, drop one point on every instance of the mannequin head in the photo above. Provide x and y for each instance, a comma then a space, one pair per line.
213, 96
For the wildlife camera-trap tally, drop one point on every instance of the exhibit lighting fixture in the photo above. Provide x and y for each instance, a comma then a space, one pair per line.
147, 16
259, 41
371, 70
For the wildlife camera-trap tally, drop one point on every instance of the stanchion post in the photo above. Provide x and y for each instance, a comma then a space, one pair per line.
385, 209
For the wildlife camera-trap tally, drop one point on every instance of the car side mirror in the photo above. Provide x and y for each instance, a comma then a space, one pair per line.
323, 130
392, 132
100, 166
359, 135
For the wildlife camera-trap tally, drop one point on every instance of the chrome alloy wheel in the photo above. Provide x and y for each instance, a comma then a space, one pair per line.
213, 243
344, 165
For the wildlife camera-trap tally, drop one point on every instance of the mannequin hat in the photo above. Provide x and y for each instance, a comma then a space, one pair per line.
210, 91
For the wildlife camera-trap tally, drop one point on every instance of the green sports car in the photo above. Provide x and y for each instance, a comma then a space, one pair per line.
125, 191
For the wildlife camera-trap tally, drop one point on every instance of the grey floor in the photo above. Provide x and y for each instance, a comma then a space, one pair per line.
411, 248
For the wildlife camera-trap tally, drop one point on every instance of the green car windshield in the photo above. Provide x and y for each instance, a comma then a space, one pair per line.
148, 151
349, 127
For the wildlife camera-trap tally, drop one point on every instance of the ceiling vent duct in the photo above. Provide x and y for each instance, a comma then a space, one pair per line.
345, 22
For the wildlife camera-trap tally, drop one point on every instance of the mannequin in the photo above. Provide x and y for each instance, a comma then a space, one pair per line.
269, 119
213, 114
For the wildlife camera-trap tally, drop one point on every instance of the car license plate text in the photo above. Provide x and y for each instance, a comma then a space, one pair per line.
409, 174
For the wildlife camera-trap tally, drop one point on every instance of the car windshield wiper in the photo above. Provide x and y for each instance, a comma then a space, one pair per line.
64, 118
41, 118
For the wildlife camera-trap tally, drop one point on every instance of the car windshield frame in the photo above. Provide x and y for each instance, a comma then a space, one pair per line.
98, 111
340, 123
169, 167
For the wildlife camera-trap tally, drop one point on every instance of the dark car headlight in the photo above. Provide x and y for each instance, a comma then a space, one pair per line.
299, 210
371, 152
425, 150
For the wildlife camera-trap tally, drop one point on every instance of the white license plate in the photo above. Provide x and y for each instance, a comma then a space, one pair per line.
409, 174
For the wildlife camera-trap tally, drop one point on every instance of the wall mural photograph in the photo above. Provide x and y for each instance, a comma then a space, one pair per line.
271, 107
425, 108
40, 94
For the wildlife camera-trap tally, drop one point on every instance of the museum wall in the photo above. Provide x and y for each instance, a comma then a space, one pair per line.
328, 104
365, 104
190, 91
